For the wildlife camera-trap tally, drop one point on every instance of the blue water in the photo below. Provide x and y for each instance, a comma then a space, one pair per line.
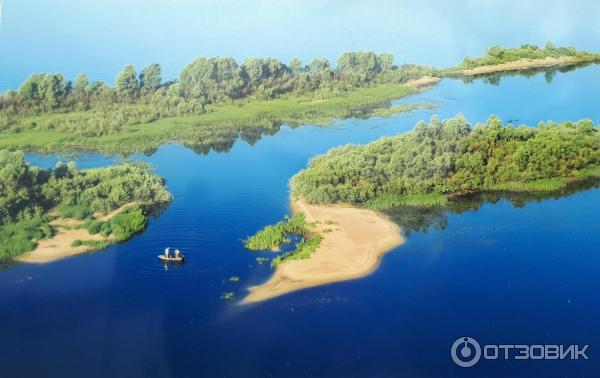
500, 274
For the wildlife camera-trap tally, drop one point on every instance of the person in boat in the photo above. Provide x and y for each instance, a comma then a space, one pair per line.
177, 253
167, 252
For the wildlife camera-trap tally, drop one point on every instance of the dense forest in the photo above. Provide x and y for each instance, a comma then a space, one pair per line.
442, 159
498, 55
28, 194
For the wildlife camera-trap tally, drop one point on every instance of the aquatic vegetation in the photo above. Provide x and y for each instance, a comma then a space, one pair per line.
273, 236
261, 259
228, 296
302, 251
234, 279
401, 108
436, 162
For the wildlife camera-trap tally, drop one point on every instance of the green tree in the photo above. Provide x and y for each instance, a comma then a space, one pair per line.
126, 83
254, 70
29, 90
387, 61
81, 83
318, 65
359, 66
296, 66
51, 89
211, 80
150, 78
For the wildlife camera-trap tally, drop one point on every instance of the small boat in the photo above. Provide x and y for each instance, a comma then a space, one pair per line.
174, 259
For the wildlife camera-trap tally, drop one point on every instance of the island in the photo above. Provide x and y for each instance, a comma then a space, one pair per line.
50, 214
348, 243
432, 166
213, 102
526, 57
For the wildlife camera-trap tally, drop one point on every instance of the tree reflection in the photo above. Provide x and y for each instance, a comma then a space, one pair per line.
548, 72
414, 219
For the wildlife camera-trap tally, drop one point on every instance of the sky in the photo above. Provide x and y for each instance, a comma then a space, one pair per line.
100, 37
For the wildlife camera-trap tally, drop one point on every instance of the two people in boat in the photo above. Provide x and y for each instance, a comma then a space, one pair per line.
176, 255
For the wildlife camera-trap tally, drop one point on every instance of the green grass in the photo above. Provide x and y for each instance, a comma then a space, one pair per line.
544, 185
302, 251
78, 212
388, 201
96, 245
220, 126
20, 237
589, 172
273, 236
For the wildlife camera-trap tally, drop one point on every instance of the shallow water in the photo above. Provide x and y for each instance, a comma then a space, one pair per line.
500, 274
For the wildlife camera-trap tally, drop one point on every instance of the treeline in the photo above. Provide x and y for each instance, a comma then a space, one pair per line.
143, 97
498, 55
442, 159
28, 193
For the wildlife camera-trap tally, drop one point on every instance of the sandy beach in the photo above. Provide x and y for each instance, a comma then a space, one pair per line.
521, 64
59, 246
422, 82
353, 242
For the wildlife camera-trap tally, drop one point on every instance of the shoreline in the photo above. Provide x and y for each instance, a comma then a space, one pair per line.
354, 240
423, 82
60, 246
521, 64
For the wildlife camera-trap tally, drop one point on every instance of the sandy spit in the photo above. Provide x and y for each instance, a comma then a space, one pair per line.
521, 64
352, 248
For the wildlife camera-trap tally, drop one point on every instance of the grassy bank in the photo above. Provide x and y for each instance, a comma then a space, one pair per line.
218, 128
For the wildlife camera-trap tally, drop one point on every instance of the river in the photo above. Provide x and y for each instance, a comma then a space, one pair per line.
502, 274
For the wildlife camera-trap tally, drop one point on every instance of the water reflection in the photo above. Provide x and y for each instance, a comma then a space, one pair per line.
415, 219
222, 139
548, 72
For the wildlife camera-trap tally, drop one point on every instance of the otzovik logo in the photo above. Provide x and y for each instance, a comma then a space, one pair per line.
465, 352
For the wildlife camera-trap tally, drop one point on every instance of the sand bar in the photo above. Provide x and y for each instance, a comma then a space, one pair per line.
351, 249
422, 82
521, 64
